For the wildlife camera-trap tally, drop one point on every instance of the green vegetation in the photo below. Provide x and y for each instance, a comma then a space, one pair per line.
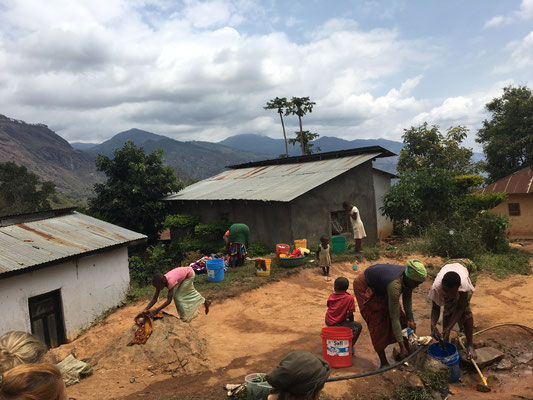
306, 137
136, 184
300, 106
22, 191
507, 138
280, 105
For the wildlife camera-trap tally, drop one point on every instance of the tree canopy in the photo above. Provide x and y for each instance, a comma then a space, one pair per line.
300, 106
307, 138
21, 191
136, 184
507, 138
426, 148
281, 105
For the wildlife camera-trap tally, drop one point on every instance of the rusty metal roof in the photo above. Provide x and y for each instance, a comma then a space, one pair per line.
282, 182
30, 244
520, 182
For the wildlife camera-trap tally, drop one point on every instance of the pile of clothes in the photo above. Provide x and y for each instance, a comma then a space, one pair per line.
200, 267
299, 252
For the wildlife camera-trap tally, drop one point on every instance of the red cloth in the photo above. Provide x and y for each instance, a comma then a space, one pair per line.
375, 311
296, 253
339, 305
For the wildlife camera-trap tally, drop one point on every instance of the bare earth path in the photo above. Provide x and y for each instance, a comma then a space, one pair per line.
252, 332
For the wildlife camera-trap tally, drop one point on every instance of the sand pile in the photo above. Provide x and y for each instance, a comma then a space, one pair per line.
173, 348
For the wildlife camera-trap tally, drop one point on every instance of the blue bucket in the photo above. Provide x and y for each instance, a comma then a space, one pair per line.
215, 270
451, 360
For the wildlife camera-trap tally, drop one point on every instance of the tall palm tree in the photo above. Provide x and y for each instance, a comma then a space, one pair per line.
279, 104
300, 106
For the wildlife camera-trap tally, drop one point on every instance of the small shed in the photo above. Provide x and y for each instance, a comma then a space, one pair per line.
59, 270
292, 198
519, 204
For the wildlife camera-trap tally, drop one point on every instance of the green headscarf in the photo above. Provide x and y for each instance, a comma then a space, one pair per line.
416, 271
300, 372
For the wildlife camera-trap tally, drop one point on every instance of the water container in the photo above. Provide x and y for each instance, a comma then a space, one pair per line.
282, 249
300, 243
256, 390
267, 265
338, 244
215, 270
451, 359
337, 346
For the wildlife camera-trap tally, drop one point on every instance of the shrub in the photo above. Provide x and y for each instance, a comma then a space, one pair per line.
181, 221
512, 262
157, 260
454, 243
492, 229
257, 249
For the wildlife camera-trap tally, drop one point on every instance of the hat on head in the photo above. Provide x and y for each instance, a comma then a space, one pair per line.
300, 372
416, 271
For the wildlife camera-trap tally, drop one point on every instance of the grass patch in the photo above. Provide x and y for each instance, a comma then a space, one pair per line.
236, 281
434, 380
514, 261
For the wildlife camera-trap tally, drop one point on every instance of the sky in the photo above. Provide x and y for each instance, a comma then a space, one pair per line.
204, 70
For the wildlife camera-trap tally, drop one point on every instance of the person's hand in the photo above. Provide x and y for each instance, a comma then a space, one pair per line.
412, 324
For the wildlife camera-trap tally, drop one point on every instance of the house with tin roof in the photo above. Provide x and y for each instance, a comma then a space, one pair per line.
59, 270
295, 197
519, 204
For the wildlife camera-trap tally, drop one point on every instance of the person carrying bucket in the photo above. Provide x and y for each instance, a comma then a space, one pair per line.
341, 307
378, 291
299, 376
453, 288
180, 285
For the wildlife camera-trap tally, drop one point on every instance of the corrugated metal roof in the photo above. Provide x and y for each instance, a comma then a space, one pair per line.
33, 243
520, 182
270, 183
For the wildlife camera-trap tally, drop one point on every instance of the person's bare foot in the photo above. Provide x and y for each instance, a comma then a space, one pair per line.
207, 303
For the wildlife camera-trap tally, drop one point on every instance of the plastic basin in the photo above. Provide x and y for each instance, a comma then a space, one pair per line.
292, 261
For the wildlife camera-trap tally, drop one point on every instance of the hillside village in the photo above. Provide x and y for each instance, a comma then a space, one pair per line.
370, 241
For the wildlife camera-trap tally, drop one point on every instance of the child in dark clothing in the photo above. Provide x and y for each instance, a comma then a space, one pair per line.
341, 306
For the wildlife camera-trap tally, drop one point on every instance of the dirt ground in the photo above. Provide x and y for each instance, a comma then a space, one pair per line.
252, 332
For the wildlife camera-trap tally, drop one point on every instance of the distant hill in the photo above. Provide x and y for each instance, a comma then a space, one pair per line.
48, 156
82, 145
190, 160
275, 147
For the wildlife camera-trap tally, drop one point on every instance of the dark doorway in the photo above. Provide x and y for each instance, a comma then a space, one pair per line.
46, 316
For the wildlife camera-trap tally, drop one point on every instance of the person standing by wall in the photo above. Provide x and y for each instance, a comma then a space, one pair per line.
357, 224
236, 240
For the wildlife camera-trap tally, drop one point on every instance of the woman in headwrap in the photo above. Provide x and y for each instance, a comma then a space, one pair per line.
378, 292
236, 240
299, 376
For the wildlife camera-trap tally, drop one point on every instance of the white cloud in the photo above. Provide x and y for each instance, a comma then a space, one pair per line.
521, 55
193, 74
524, 13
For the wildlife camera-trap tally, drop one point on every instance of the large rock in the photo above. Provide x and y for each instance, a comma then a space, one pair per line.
524, 358
486, 356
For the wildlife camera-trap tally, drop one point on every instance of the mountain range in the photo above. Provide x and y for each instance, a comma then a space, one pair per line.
72, 166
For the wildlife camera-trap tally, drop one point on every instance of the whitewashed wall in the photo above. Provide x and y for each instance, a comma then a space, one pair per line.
89, 286
382, 185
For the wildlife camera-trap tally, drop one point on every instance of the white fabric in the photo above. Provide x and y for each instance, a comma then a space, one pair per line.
358, 227
437, 294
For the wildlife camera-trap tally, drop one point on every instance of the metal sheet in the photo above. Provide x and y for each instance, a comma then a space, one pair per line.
270, 183
33, 243
521, 182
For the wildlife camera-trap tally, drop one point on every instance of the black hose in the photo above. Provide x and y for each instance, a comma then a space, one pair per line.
378, 371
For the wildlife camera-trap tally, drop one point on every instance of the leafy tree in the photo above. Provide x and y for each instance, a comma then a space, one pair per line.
507, 138
136, 185
300, 106
22, 191
279, 104
427, 148
307, 138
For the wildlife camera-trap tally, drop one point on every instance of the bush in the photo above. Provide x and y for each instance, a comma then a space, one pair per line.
454, 243
181, 221
141, 272
492, 229
512, 262
257, 249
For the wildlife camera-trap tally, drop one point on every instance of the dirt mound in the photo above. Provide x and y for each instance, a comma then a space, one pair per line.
173, 348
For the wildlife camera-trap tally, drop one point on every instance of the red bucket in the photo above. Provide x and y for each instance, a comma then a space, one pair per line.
282, 249
337, 346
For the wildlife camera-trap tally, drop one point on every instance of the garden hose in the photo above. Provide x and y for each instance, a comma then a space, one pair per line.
526, 328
